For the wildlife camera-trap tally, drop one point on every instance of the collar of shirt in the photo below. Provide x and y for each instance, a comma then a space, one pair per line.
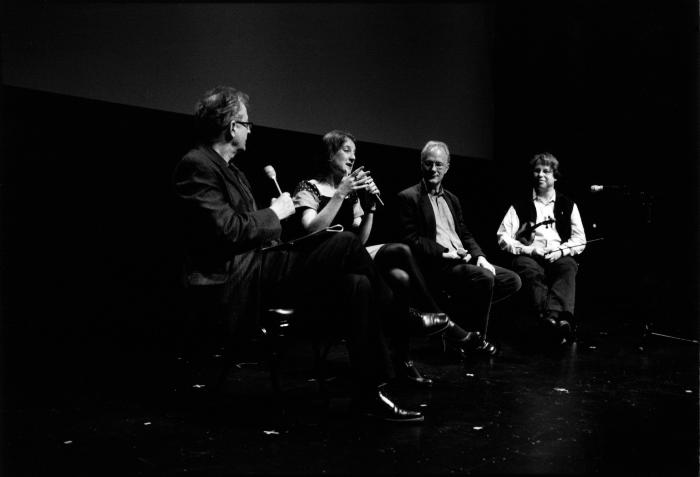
436, 193
544, 201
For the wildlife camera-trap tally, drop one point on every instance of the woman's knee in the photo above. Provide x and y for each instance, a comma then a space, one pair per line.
400, 276
345, 239
395, 253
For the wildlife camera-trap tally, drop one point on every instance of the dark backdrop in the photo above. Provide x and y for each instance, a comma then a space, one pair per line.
312, 66
90, 258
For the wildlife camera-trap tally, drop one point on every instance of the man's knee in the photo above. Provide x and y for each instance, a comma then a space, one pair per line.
527, 268
510, 280
483, 277
566, 265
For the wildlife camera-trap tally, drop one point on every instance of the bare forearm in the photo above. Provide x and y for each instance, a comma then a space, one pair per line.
366, 226
324, 218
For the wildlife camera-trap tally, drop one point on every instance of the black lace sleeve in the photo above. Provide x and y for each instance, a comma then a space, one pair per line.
307, 194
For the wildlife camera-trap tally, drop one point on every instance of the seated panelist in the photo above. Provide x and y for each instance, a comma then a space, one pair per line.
340, 195
543, 232
432, 224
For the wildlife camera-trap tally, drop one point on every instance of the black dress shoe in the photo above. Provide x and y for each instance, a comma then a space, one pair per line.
427, 324
408, 373
472, 345
549, 323
565, 330
486, 349
556, 330
380, 407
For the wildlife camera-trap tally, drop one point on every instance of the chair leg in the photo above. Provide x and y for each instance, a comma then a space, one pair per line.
276, 322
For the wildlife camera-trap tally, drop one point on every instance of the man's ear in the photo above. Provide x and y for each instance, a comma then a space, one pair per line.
229, 132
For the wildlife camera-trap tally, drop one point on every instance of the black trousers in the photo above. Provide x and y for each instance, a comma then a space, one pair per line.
547, 286
334, 281
472, 290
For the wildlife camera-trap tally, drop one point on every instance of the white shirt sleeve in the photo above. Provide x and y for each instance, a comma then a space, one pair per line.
506, 235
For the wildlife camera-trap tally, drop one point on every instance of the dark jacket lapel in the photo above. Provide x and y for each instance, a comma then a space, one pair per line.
241, 183
427, 211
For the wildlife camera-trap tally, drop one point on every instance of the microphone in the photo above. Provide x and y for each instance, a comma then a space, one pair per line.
270, 171
607, 188
376, 196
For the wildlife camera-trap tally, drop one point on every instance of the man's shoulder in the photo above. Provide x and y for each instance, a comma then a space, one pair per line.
196, 154
196, 162
413, 191
199, 158
450, 195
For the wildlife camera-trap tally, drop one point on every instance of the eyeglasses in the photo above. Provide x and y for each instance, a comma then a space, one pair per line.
438, 165
245, 124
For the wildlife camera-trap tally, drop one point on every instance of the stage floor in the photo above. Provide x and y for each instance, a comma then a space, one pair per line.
598, 406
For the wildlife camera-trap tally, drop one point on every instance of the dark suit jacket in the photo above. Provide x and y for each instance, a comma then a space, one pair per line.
417, 224
222, 226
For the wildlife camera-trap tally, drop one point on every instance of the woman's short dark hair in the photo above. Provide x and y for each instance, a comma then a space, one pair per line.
546, 159
334, 140
216, 109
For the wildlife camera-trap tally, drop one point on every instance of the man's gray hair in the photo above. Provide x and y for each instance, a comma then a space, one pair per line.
430, 146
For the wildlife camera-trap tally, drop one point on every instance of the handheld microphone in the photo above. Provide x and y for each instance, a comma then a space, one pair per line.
270, 171
603, 188
376, 196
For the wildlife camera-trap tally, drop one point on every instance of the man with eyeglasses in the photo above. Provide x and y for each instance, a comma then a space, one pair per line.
226, 271
432, 224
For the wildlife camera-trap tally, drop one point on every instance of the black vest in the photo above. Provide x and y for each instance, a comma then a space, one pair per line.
562, 214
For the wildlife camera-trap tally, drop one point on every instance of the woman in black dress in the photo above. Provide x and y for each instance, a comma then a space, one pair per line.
339, 195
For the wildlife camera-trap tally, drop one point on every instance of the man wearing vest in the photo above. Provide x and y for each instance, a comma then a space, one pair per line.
544, 232
432, 224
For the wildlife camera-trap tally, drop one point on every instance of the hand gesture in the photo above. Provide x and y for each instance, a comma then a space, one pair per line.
353, 181
451, 255
368, 191
283, 206
482, 262
553, 255
464, 255
370, 187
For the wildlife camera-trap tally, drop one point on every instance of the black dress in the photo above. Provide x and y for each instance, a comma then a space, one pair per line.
307, 196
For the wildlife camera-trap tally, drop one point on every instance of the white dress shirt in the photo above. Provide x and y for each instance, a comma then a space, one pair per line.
445, 230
